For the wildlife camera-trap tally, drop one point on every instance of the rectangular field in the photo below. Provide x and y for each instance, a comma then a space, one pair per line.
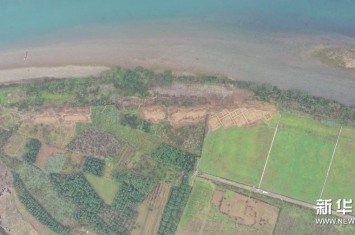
197, 208
237, 154
341, 178
300, 158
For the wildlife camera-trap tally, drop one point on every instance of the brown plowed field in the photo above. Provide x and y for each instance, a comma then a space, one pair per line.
126, 157
46, 151
246, 210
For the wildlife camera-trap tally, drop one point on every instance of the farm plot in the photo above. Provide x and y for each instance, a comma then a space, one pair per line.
197, 208
237, 154
300, 158
211, 212
59, 136
341, 177
127, 154
107, 119
46, 151
151, 211
16, 146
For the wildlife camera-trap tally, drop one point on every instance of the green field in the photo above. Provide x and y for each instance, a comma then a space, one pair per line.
105, 187
197, 207
107, 118
300, 158
237, 154
3, 96
341, 178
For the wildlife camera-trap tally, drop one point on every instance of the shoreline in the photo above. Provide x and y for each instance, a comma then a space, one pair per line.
282, 60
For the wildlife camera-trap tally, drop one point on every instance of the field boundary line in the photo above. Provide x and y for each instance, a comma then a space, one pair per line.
331, 161
267, 158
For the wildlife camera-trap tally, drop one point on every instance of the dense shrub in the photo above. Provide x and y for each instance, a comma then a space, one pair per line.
134, 122
36, 209
94, 166
79, 189
171, 155
33, 148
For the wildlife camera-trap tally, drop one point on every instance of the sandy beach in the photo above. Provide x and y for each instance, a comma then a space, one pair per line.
283, 60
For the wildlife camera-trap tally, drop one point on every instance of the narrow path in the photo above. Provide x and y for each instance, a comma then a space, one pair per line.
273, 195
267, 159
331, 161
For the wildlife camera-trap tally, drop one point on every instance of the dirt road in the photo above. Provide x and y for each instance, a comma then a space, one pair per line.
270, 194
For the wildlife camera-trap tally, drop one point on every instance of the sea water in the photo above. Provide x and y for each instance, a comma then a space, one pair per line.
23, 18
253, 40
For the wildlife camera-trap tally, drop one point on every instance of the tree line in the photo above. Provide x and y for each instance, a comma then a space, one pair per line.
174, 209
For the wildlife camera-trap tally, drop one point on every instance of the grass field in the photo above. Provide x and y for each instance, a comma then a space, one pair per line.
197, 208
341, 179
300, 158
105, 187
3, 97
237, 154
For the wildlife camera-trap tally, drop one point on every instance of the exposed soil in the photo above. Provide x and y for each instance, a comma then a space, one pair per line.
60, 116
154, 114
247, 211
10, 218
46, 151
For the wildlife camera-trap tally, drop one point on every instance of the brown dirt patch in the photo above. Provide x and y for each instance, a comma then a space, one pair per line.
154, 114
62, 116
73, 163
247, 211
46, 151
187, 116
217, 198
213, 123
227, 121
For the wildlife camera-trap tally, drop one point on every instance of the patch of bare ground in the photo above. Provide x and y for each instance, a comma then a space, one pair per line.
154, 114
96, 143
150, 213
338, 56
46, 151
186, 116
247, 211
10, 218
60, 116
